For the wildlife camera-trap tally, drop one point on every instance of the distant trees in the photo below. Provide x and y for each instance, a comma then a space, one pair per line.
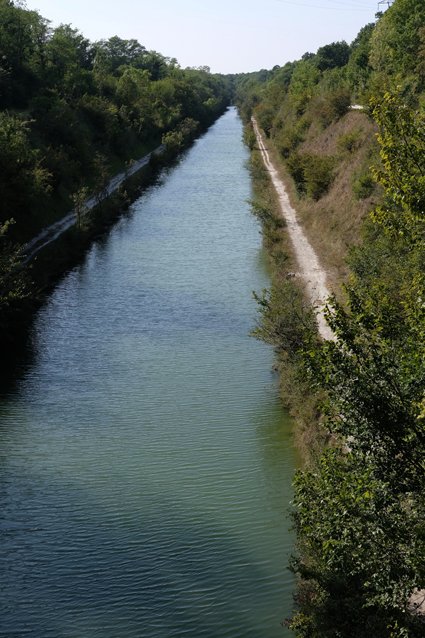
114, 53
332, 56
74, 100
72, 112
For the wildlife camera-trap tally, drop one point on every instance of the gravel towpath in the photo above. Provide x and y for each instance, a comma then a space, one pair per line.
309, 268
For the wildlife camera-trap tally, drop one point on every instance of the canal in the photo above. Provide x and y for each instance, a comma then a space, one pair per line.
145, 460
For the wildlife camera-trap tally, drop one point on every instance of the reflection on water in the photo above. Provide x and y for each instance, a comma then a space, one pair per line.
145, 462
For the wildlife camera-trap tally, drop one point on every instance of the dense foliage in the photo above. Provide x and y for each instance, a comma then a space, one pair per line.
74, 112
359, 507
70, 107
360, 514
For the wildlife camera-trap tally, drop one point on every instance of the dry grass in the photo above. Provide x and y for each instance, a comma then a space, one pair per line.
333, 223
301, 401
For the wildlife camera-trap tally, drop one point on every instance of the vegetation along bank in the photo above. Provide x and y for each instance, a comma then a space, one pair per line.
346, 126
74, 113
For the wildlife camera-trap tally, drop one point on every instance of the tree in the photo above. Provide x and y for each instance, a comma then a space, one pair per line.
133, 85
397, 44
304, 79
358, 67
402, 140
360, 514
114, 53
332, 56
359, 552
69, 60
79, 199
22, 38
24, 179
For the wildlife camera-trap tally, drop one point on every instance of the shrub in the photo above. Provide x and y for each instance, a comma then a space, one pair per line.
363, 186
349, 142
296, 166
289, 133
318, 172
173, 140
340, 101
265, 116
312, 174
249, 137
331, 105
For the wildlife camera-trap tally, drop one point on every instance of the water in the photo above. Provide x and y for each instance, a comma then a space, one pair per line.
145, 462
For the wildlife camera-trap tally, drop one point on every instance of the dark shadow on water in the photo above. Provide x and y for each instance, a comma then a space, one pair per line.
18, 353
17, 357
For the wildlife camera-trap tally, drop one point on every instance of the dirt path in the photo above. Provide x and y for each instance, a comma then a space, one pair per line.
310, 270
52, 232
315, 282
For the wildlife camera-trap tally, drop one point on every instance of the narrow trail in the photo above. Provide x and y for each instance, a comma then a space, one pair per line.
52, 232
314, 277
310, 270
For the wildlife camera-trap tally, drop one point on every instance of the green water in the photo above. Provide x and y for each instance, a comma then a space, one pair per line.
145, 461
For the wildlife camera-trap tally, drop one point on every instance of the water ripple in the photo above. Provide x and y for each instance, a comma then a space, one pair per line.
145, 462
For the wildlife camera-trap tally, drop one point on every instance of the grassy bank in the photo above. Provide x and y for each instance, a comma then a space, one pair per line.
330, 186
358, 401
286, 319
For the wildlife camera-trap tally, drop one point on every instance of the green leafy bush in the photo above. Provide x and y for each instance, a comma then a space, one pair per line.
340, 101
296, 166
312, 174
349, 142
331, 105
363, 186
319, 175
288, 137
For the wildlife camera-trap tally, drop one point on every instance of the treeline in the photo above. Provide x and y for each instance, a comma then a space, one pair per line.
319, 89
321, 86
73, 111
72, 114
360, 510
359, 505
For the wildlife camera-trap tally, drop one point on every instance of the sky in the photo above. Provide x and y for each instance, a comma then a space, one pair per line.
229, 36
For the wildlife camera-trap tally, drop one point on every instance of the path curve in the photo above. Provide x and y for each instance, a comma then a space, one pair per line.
310, 270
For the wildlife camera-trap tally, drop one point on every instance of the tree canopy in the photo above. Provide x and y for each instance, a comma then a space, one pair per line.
72, 113
65, 100
359, 507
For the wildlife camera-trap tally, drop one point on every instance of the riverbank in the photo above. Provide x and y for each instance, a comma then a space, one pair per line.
287, 316
309, 268
57, 248
77, 217
351, 501
148, 457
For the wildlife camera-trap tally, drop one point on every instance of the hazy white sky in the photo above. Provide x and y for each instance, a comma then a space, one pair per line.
230, 36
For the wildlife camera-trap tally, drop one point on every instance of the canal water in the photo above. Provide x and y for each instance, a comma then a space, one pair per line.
145, 461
